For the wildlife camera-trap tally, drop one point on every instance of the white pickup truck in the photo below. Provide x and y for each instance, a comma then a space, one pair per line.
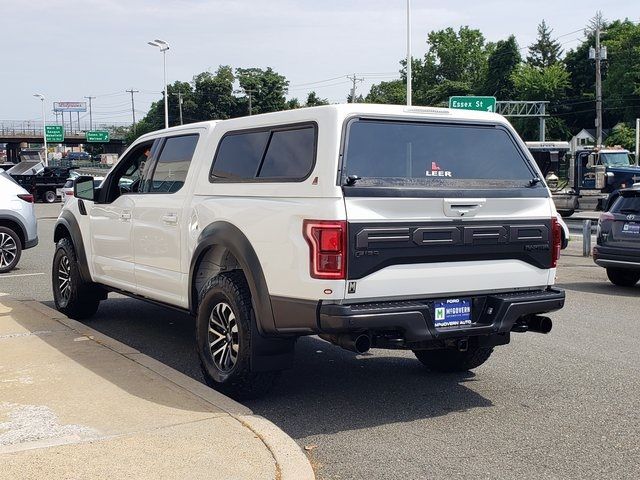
370, 225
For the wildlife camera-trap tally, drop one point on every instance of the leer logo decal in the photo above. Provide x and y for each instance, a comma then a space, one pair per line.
436, 171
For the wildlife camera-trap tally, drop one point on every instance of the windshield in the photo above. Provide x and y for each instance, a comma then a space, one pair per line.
616, 159
412, 154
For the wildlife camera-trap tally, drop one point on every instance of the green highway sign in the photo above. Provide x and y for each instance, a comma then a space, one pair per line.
97, 136
54, 133
483, 104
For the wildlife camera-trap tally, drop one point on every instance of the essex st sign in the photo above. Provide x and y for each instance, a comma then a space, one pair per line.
483, 104
97, 136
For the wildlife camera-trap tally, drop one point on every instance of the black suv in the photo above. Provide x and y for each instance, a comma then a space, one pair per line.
618, 247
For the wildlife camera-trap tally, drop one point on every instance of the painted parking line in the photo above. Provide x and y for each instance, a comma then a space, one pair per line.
20, 275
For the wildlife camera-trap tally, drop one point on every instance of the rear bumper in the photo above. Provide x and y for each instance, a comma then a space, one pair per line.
611, 257
413, 319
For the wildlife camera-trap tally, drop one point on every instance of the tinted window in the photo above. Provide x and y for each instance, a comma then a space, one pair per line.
270, 154
433, 155
629, 204
290, 154
239, 155
171, 169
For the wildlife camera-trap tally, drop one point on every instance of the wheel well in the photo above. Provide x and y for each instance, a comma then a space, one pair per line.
15, 226
213, 261
61, 232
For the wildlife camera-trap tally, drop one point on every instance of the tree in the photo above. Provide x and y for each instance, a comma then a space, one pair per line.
313, 100
623, 135
545, 51
533, 83
213, 95
268, 89
502, 62
393, 92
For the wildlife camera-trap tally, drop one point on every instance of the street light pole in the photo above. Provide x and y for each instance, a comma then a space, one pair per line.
163, 46
44, 129
409, 53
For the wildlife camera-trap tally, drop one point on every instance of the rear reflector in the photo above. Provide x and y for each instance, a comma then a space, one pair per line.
327, 241
27, 197
556, 229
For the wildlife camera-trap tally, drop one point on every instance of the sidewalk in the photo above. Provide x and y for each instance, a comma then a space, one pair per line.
75, 404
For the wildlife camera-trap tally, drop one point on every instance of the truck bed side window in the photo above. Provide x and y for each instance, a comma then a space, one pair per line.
282, 153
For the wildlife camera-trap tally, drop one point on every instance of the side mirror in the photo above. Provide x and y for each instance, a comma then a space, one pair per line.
591, 160
83, 188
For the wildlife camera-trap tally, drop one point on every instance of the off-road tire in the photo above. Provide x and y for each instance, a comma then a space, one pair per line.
10, 244
49, 196
81, 300
451, 360
238, 381
622, 277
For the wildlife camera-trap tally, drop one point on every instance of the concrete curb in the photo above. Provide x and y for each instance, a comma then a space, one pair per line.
291, 462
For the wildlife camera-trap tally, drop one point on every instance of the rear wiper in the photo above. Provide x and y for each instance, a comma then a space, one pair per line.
351, 180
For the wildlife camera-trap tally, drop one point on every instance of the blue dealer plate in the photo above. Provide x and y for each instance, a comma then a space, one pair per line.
631, 227
453, 312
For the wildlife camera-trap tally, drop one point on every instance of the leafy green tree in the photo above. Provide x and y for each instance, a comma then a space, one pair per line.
213, 95
621, 85
533, 83
314, 101
268, 88
393, 92
623, 135
502, 62
545, 51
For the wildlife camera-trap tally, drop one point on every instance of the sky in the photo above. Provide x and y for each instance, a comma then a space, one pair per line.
69, 49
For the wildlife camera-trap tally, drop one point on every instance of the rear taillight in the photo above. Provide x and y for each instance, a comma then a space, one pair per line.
556, 232
27, 197
605, 217
327, 241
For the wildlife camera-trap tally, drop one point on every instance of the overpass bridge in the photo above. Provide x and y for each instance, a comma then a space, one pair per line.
19, 134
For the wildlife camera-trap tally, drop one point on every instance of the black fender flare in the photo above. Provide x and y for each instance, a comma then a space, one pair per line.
226, 235
68, 222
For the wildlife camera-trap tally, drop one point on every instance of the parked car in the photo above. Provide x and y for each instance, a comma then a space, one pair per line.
365, 224
618, 239
18, 226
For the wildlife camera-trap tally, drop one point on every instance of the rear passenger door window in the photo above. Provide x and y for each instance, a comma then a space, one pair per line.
278, 154
171, 168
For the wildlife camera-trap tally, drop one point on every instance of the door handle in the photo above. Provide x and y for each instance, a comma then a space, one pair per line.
125, 216
170, 218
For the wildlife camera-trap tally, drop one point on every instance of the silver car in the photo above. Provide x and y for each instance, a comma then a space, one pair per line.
18, 226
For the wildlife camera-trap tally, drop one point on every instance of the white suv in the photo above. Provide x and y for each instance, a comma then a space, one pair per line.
371, 225
18, 224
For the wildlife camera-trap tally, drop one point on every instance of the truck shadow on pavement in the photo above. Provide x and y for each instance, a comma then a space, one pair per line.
603, 288
328, 389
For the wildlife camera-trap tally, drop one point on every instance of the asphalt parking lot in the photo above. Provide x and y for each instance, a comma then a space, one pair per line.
562, 405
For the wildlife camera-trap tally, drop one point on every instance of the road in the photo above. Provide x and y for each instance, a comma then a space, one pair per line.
563, 405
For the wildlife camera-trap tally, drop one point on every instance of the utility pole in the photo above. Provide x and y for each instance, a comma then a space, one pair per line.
249, 93
180, 105
598, 54
90, 116
637, 140
354, 79
409, 53
133, 108
598, 88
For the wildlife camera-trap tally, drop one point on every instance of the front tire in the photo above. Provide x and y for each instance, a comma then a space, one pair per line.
10, 249
72, 296
622, 277
223, 338
450, 360
566, 213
